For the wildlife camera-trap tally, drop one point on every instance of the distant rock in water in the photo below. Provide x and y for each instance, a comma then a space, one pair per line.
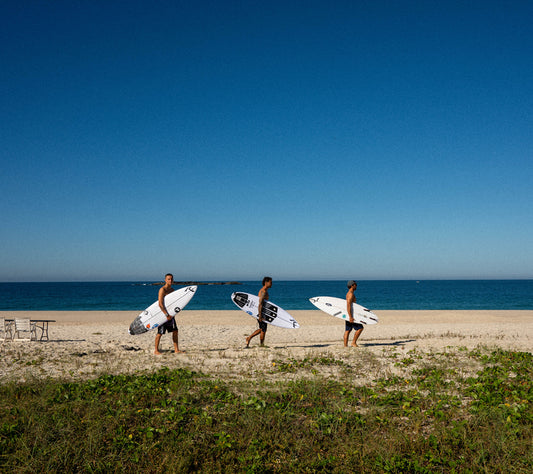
198, 283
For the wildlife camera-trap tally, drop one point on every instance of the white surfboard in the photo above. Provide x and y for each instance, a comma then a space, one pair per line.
272, 313
152, 317
337, 307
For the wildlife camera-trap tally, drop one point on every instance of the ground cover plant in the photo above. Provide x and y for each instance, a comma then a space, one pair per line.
435, 417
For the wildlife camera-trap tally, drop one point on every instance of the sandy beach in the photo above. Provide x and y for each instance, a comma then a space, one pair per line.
86, 344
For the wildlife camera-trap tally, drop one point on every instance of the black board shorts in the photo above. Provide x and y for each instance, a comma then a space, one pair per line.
350, 326
169, 326
263, 326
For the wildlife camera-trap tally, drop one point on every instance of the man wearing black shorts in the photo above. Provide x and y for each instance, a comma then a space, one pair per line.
170, 325
263, 296
351, 324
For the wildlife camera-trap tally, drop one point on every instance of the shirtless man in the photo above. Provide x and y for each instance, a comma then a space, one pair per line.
170, 325
263, 296
351, 324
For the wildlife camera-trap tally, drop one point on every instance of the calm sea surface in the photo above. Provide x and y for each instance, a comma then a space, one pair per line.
374, 294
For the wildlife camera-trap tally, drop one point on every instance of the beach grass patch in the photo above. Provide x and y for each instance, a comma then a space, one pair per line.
431, 418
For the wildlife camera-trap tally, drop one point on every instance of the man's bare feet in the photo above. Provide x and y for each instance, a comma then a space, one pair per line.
157, 353
248, 342
354, 345
179, 352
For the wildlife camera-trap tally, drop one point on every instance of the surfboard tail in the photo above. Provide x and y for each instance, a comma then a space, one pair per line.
137, 327
240, 299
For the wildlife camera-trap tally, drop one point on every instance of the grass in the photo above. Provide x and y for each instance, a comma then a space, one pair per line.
435, 417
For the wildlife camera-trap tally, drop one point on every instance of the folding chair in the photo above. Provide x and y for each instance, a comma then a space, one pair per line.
6, 329
27, 328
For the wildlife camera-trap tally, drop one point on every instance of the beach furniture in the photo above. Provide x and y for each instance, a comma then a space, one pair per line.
42, 325
24, 330
6, 329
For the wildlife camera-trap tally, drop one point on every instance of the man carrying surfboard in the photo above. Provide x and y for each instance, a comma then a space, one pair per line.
170, 325
351, 324
263, 296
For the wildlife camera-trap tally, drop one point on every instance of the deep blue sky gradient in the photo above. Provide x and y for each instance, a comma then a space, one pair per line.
228, 140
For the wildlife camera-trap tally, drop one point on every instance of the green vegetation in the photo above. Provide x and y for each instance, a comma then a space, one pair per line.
435, 419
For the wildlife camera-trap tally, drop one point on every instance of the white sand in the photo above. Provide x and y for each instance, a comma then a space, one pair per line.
86, 344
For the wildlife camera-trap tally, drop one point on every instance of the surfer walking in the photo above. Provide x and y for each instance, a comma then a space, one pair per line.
263, 296
170, 325
351, 324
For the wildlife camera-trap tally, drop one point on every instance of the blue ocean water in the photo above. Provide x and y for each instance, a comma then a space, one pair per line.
291, 295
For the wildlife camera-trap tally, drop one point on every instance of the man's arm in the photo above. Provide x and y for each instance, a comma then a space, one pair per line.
161, 300
349, 301
260, 306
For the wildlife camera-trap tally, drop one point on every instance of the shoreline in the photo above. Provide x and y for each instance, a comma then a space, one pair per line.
86, 344
238, 317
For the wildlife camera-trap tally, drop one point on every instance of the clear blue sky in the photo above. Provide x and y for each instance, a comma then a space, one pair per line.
229, 140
